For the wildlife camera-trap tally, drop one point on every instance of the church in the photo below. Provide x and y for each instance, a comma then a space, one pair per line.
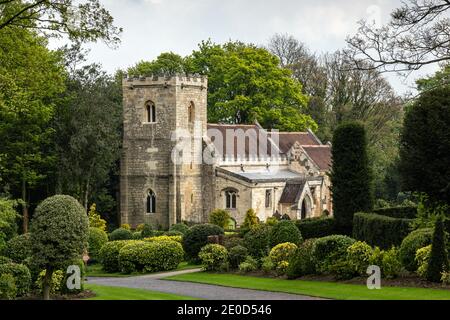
177, 167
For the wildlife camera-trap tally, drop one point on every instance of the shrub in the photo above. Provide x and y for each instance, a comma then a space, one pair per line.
358, 257
351, 176
422, 257
316, 227
130, 256
126, 226
97, 238
381, 231
19, 248
2, 241
197, 237
56, 283
173, 233
8, 289
284, 231
8, 218
271, 221
59, 232
180, 227
120, 234
82, 266
397, 212
342, 269
4, 260
95, 220
302, 261
109, 255
257, 240
165, 238
140, 227
267, 264
329, 249
137, 235
237, 255
250, 220
147, 231
232, 240
219, 217
438, 262
388, 261
213, 256
249, 264
21, 275
445, 277
414, 241
282, 252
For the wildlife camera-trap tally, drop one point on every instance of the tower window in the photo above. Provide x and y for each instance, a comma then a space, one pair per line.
191, 112
151, 202
230, 199
268, 198
150, 112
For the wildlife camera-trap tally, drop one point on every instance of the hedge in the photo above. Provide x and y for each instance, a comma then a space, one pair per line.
197, 237
316, 227
397, 212
378, 230
284, 231
414, 241
109, 254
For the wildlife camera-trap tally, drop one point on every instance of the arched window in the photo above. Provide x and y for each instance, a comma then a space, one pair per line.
230, 199
150, 112
191, 112
151, 202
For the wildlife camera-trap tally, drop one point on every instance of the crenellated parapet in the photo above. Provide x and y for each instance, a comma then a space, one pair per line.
181, 80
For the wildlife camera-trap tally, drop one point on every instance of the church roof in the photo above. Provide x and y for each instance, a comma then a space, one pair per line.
263, 175
320, 154
292, 191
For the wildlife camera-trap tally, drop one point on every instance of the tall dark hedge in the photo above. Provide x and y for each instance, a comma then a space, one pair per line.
438, 259
425, 145
378, 230
398, 212
316, 227
351, 176
197, 237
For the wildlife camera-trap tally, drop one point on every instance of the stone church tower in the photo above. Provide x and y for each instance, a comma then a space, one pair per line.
154, 189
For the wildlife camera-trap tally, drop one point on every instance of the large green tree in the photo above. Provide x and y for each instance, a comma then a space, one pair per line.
31, 78
351, 175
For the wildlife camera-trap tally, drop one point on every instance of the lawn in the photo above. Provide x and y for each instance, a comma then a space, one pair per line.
322, 289
119, 293
95, 270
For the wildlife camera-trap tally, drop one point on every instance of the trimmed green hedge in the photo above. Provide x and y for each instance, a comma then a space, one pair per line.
378, 230
316, 227
397, 212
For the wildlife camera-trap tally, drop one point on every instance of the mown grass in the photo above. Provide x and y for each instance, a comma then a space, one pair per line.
120, 293
332, 290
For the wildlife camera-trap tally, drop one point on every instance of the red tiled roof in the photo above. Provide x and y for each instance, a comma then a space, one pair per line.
292, 191
320, 154
287, 139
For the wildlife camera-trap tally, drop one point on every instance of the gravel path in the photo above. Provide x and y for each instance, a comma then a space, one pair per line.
196, 290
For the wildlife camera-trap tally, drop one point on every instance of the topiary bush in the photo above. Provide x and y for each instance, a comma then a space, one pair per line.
8, 289
59, 232
19, 248
236, 255
422, 258
250, 220
282, 253
232, 240
249, 264
165, 238
378, 230
180, 227
121, 234
21, 276
329, 249
109, 255
147, 231
302, 261
219, 217
197, 237
397, 212
358, 257
415, 240
388, 261
257, 240
316, 227
438, 261
173, 233
131, 256
97, 238
213, 257
284, 231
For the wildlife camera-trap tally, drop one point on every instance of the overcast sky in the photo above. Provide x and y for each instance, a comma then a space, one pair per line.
155, 26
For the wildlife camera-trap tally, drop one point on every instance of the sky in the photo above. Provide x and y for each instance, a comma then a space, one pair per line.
155, 26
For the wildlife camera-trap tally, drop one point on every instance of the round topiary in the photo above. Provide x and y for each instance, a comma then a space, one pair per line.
120, 234
285, 231
282, 252
130, 259
163, 256
328, 250
97, 238
109, 255
197, 237
236, 255
257, 240
414, 241
213, 256
19, 248
181, 227
302, 262
21, 275
59, 232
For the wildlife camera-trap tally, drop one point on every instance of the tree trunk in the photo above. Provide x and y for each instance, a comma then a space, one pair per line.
24, 207
46, 284
86, 196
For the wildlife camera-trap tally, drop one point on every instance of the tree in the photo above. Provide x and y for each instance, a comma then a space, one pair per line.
351, 176
82, 21
418, 34
95, 220
31, 78
59, 233
250, 220
425, 145
220, 218
438, 262
168, 63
